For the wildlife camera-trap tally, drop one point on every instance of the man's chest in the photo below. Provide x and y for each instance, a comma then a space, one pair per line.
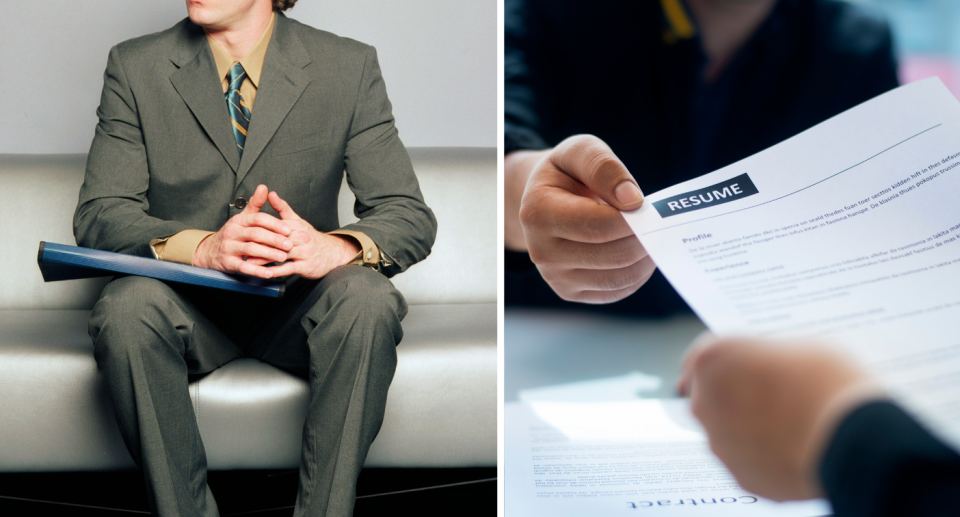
296, 141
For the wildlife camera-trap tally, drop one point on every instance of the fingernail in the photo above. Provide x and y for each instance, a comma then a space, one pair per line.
628, 194
286, 229
287, 244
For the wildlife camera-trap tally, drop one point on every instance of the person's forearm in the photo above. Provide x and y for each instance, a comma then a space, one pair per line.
516, 170
882, 462
119, 225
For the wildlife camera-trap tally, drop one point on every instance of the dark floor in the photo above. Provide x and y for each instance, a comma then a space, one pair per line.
467, 492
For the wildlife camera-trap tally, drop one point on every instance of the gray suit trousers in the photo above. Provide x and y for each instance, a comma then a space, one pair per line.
340, 333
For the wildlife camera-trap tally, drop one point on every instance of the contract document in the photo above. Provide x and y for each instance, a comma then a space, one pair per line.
623, 458
848, 233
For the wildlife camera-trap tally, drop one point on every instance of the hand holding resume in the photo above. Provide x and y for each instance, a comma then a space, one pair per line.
847, 232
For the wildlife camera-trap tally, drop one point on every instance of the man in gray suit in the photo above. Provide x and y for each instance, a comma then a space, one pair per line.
222, 143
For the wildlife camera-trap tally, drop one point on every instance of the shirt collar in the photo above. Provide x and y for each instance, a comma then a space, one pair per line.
252, 62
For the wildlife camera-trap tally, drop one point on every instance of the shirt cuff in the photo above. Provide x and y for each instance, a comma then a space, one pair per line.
178, 247
369, 254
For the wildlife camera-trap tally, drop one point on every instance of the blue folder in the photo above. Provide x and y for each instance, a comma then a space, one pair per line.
62, 262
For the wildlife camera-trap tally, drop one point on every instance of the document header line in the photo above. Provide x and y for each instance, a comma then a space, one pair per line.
796, 191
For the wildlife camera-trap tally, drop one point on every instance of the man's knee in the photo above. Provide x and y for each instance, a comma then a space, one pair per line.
358, 299
366, 290
129, 311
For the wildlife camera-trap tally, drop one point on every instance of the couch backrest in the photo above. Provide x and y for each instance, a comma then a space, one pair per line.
459, 184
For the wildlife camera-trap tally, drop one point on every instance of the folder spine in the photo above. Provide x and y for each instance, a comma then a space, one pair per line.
63, 262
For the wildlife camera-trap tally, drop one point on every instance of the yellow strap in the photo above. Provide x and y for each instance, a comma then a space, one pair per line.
679, 20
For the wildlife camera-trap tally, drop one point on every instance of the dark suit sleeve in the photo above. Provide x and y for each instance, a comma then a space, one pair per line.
112, 211
389, 203
522, 112
883, 463
524, 40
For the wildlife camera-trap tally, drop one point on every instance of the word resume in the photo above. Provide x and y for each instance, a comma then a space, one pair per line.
848, 233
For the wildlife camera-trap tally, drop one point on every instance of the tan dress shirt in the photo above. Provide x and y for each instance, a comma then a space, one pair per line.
180, 247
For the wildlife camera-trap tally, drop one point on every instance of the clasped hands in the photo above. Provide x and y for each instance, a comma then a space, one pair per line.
252, 239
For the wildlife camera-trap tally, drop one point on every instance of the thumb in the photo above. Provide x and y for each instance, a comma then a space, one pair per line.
257, 200
282, 207
703, 340
590, 161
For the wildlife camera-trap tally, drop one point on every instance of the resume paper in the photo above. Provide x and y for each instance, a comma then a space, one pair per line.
848, 233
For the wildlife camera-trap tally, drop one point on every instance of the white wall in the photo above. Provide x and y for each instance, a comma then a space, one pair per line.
438, 59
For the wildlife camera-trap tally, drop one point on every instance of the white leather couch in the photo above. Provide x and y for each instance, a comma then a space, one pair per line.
55, 414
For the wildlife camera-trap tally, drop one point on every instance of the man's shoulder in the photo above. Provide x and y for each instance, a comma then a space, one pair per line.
852, 29
317, 41
165, 39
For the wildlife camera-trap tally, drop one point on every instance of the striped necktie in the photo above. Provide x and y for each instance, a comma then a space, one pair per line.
237, 107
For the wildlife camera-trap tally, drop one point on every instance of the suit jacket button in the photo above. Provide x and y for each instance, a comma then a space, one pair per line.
240, 203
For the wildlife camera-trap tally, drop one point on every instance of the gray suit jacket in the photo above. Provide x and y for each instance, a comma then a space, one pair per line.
164, 158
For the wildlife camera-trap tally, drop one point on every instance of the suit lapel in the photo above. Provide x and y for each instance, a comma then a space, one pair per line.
281, 84
197, 83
